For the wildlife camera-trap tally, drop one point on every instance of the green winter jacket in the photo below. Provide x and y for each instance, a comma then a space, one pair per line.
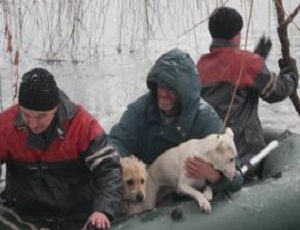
142, 131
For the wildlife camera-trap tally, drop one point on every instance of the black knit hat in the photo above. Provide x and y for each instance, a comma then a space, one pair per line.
225, 23
38, 90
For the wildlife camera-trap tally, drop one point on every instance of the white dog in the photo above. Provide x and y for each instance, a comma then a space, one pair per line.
168, 170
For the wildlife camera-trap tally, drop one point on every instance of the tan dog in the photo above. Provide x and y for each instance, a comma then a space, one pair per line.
168, 170
134, 183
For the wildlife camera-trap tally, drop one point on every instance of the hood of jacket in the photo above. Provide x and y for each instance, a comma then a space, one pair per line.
177, 71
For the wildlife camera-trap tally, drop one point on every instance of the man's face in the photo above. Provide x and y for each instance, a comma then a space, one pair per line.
167, 101
38, 121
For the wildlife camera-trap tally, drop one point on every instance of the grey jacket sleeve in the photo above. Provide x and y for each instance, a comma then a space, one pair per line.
107, 184
274, 88
225, 185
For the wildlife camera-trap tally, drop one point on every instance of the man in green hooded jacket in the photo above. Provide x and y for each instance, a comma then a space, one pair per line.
171, 112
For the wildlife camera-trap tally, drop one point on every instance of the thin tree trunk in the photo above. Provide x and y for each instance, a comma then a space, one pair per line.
285, 43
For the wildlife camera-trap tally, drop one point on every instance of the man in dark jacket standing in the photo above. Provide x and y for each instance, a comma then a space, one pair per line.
231, 75
61, 173
169, 114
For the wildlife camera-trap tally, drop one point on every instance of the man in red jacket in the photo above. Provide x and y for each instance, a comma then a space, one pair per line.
61, 173
229, 74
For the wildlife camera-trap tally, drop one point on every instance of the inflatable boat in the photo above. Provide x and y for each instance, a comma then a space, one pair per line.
270, 204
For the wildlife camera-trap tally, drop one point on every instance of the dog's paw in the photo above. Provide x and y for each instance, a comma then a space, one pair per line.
208, 193
204, 205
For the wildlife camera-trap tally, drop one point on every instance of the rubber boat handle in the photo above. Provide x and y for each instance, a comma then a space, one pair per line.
261, 155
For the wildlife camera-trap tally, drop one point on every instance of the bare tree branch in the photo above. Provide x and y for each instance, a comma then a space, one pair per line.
285, 43
293, 15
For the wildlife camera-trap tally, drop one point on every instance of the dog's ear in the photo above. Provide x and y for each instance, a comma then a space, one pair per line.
229, 132
221, 147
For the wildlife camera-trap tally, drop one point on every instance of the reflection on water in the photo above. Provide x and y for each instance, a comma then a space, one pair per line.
105, 81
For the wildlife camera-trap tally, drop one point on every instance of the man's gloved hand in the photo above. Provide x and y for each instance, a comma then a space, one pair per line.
289, 68
263, 47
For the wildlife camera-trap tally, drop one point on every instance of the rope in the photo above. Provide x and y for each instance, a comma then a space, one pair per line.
240, 73
1, 96
233, 96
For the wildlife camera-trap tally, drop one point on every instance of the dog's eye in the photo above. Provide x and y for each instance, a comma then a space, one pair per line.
231, 159
130, 182
142, 181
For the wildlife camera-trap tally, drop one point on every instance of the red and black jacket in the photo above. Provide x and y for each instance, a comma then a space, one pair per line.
67, 170
225, 68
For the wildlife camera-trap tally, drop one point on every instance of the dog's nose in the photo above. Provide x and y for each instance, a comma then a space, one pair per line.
230, 174
139, 197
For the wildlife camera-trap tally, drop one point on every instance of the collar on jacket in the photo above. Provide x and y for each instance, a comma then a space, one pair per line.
219, 43
66, 110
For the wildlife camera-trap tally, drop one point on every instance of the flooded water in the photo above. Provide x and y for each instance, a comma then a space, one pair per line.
115, 45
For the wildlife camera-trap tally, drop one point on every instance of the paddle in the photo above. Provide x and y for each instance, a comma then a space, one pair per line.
264, 152
261, 155
284, 41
